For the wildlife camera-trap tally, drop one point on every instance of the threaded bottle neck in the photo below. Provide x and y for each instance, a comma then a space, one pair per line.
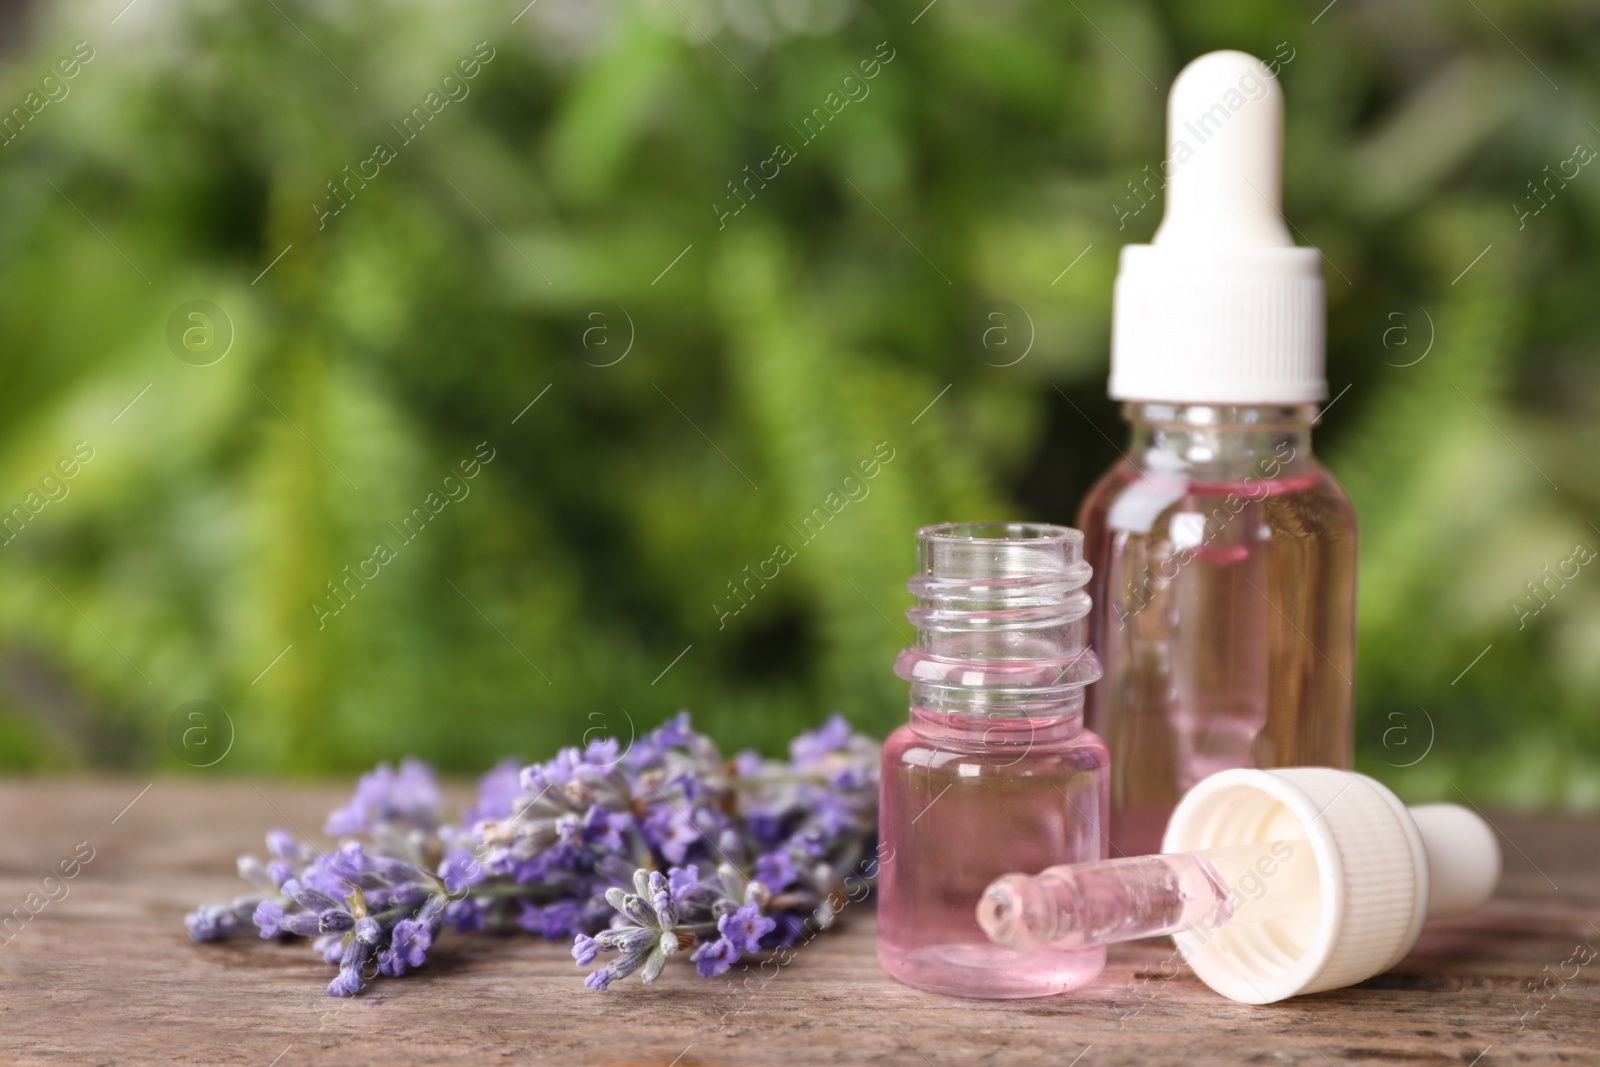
1000, 622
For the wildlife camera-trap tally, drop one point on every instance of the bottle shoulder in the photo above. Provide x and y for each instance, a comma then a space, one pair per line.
1302, 499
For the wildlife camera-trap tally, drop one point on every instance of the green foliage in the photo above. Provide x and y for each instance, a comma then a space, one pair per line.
579, 202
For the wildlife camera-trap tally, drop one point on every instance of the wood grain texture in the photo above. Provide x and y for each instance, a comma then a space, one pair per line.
107, 975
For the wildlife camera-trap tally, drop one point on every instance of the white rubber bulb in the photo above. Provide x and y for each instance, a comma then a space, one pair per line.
1224, 156
1463, 858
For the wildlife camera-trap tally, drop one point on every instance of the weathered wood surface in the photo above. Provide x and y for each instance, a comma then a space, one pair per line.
107, 975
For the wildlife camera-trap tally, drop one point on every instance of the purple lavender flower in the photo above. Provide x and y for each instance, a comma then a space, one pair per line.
408, 947
269, 919
715, 957
347, 983
272, 920
681, 881
766, 828
829, 815
348, 863
672, 831
553, 921
335, 921
405, 895
790, 927
811, 748
283, 845
351, 964
385, 795
652, 749
460, 870
604, 752
652, 932
595, 844
309, 897
775, 871
746, 927
597, 827
497, 793
213, 922
675, 732
465, 916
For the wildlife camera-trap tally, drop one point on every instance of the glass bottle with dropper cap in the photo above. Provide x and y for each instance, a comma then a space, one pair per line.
1224, 554
994, 772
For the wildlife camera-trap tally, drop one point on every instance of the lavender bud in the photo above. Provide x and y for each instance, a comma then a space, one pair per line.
304, 923
335, 921
666, 911
637, 911
308, 898
397, 871
254, 871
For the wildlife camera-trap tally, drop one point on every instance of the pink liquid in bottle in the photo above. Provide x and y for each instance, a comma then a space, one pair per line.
994, 773
1224, 588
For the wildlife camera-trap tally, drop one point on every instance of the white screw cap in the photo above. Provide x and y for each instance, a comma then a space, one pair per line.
1221, 308
1381, 870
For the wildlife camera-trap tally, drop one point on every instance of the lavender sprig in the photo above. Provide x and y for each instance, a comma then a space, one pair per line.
604, 845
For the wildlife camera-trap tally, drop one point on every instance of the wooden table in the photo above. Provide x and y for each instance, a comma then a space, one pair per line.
106, 974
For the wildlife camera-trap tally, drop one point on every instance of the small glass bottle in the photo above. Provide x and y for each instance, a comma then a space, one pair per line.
1225, 584
995, 772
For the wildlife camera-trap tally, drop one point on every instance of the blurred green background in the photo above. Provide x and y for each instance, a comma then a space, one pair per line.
708, 364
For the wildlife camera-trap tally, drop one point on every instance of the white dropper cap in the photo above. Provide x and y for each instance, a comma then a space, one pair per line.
1221, 308
1381, 870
